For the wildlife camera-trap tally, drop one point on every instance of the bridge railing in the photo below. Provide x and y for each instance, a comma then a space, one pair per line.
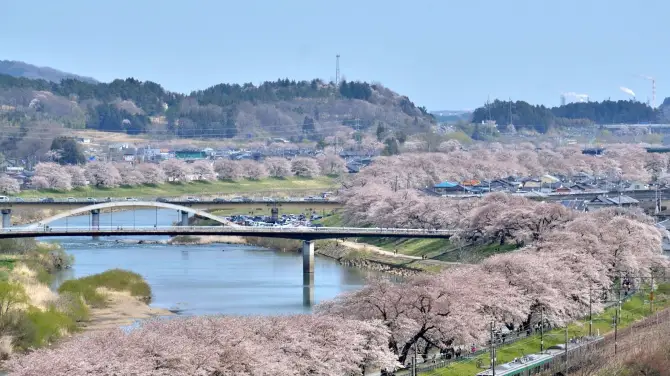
214, 229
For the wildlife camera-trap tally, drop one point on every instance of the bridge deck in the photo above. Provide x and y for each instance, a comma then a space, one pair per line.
302, 233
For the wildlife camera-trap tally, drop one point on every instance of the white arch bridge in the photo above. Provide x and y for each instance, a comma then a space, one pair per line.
95, 209
307, 234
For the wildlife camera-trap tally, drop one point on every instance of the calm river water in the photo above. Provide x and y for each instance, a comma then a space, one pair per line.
206, 279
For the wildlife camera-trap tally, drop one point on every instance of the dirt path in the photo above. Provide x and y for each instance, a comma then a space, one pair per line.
375, 249
123, 310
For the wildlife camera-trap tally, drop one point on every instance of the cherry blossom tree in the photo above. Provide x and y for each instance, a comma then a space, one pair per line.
224, 345
56, 175
228, 169
77, 174
130, 175
103, 174
278, 167
253, 170
305, 167
332, 164
176, 170
39, 182
203, 170
152, 173
9, 185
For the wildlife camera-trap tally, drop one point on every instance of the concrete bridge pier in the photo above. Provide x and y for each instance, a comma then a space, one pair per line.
6, 218
307, 257
95, 221
308, 290
308, 273
184, 218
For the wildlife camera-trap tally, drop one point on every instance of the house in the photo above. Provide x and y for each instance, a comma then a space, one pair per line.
190, 155
531, 185
11, 170
448, 187
604, 201
637, 186
577, 205
548, 180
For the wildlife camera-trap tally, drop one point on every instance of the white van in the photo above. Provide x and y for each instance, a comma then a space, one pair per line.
4, 198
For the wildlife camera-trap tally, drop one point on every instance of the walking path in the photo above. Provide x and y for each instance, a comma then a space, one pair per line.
380, 251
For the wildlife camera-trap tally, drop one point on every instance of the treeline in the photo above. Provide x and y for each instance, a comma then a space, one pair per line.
541, 119
132, 106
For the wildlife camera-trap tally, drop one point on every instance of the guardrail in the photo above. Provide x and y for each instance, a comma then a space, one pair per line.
241, 229
171, 200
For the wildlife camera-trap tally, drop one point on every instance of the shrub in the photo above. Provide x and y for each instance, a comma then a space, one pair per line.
115, 279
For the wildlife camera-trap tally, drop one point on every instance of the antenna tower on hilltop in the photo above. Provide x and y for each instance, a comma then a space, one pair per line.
337, 70
653, 89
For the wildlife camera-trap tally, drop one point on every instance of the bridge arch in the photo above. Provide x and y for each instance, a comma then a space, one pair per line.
126, 204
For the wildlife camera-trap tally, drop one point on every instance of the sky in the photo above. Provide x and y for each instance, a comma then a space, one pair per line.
442, 54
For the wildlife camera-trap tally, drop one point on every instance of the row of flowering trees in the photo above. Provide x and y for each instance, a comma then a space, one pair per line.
568, 260
494, 161
565, 262
101, 174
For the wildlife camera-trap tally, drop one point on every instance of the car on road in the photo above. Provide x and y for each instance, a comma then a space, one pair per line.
192, 199
131, 199
161, 199
19, 199
71, 199
91, 199
47, 199
4, 198
219, 199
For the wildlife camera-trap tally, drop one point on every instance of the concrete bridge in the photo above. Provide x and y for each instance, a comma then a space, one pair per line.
307, 234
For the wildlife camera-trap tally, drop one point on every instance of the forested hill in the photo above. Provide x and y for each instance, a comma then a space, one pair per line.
541, 118
282, 108
21, 69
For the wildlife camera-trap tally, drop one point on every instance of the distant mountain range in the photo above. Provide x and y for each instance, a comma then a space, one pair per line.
21, 69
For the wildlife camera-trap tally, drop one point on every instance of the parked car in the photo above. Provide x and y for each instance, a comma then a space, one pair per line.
161, 199
91, 199
192, 199
47, 199
131, 199
71, 199
219, 199
4, 198
19, 199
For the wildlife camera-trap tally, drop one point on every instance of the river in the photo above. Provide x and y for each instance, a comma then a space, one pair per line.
206, 279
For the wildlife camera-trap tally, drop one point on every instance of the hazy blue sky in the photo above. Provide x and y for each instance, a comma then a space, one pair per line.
448, 54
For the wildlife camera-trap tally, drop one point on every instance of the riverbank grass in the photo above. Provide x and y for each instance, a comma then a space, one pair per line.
89, 288
196, 188
632, 310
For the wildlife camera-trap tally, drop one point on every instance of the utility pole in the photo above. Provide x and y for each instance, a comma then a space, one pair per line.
493, 352
542, 329
590, 312
414, 362
566, 351
337, 70
617, 317
651, 292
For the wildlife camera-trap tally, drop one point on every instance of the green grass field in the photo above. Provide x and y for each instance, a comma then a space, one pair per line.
632, 310
436, 249
270, 186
